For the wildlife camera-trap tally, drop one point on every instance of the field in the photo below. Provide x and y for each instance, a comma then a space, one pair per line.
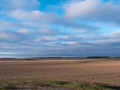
64, 74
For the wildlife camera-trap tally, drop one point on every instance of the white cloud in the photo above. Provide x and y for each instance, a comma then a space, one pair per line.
28, 15
93, 10
24, 31
115, 34
80, 8
65, 37
108, 39
72, 42
4, 35
48, 38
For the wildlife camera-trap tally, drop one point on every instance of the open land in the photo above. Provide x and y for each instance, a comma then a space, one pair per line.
60, 74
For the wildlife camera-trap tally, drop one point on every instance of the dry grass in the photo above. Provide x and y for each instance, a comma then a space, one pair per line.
104, 71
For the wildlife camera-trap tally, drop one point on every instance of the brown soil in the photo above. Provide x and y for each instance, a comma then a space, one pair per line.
105, 71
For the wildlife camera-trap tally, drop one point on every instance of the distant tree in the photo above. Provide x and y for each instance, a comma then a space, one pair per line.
98, 57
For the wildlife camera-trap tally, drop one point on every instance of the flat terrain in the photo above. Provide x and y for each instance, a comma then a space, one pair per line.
103, 71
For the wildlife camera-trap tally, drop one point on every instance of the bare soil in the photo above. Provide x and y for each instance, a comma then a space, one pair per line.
104, 71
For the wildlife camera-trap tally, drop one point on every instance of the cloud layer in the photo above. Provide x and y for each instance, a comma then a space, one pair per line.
79, 28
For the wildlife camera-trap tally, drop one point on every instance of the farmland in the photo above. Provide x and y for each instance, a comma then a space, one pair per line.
67, 74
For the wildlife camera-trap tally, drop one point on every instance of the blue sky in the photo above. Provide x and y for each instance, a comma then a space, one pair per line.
57, 28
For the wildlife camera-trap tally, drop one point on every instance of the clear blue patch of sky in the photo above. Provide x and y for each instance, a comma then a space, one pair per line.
52, 6
114, 1
7, 18
108, 28
60, 28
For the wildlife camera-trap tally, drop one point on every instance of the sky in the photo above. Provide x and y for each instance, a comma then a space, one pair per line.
59, 28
